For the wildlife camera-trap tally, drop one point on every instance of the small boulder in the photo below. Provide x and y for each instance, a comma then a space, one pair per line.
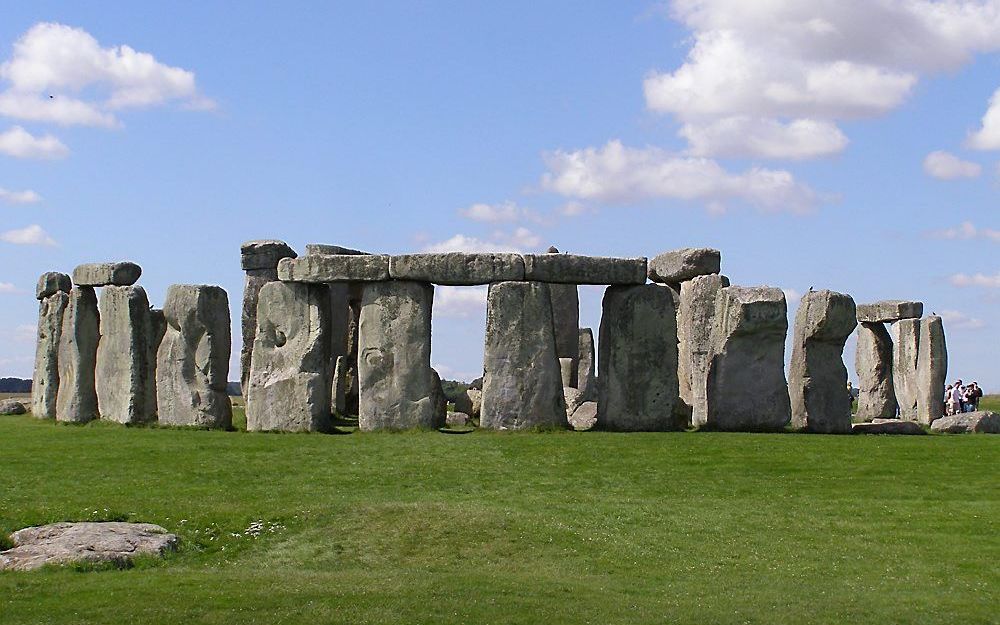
574, 397
585, 417
980, 421
888, 426
94, 543
458, 420
11, 406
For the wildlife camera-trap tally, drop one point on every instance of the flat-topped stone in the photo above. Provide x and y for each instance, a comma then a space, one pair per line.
888, 426
980, 421
107, 274
264, 254
573, 269
677, 266
324, 268
889, 310
322, 249
457, 268
63, 543
52, 282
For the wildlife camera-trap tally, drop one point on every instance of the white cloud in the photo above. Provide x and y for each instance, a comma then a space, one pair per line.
7, 287
87, 83
965, 280
749, 136
792, 297
988, 135
956, 320
520, 240
947, 166
31, 235
460, 301
616, 173
966, 230
495, 213
450, 373
574, 209
20, 143
19, 197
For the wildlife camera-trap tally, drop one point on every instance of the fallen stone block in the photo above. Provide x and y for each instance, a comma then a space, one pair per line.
318, 269
585, 417
980, 421
678, 266
457, 420
91, 543
457, 268
573, 269
888, 426
12, 407
889, 311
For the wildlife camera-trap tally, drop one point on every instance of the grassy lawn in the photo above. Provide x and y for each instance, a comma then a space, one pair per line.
517, 528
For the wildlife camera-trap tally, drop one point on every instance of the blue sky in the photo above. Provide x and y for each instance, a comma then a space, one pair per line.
844, 145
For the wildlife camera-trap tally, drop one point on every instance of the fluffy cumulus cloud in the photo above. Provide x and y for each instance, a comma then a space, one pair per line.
956, 320
771, 79
31, 235
460, 302
519, 240
20, 143
978, 279
19, 197
966, 230
987, 137
497, 213
947, 166
616, 173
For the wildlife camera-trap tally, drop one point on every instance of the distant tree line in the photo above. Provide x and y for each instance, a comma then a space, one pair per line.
15, 385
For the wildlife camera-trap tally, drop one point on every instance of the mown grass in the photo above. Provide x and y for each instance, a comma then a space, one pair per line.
512, 528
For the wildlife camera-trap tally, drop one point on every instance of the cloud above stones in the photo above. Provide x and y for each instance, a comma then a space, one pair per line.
963, 280
987, 137
20, 143
520, 239
460, 302
30, 235
956, 320
946, 166
19, 197
966, 230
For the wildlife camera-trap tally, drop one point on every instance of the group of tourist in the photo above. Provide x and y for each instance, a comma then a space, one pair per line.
959, 398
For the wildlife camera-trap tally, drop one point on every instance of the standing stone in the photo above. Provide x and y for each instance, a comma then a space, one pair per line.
746, 388
398, 388
440, 400
338, 392
817, 376
905, 348
125, 379
566, 319
289, 387
567, 370
637, 356
157, 330
77, 398
260, 261
586, 380
52, 293
695, 320
873, 364
522, 384
192, 363
351, 387
932, 370
476, 398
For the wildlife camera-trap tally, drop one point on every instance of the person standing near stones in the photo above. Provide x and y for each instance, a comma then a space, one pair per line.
949, 401
957, 398
976, 395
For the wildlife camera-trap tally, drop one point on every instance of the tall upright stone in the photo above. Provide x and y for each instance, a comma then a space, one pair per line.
53, 297
259, 259
873, 364
745, 387
817, 379
637, 357
125, 378
932, 370
192, 363
522, 385
78, 340
695, 319
398, 388
566, 323
586, 376
289, 387
905, 348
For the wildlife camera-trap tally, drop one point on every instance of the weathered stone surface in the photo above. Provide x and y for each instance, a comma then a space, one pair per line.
981, 421
932, 370
398, 388
157, 330
873, 364
679, 265
637, 357
125, 378
289, 374
745, 387
76, 401
888, 426
585, 417
11, 406
94, 543
476, 397
567, 371
52, 282
905, 350
817, 377
889, 310
323, 249
192, 363
522, 385
338, 393
573, 399
319, 269
573, 269
440, 400
107, 274
566, 320
457, 420
695, 320
265, 254
45, 381
586, 380
457, 268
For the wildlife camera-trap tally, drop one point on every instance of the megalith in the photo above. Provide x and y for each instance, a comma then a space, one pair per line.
192, 363
637, 357
53, 297
289, 388
566, 319
932, 370
398, 390
259, 259
76, 401
873, 364
695, 319
586, 378
522, 384
745, 386
125, 379
817, 378
679, 266
905, 348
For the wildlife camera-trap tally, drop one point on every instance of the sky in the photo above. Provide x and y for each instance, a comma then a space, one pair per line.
844, 144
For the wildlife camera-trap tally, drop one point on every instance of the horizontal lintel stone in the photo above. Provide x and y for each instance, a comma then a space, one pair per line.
322, 249
324, 268
677, 266
574, 269
889, 310
264, 254
107, 274
458, 268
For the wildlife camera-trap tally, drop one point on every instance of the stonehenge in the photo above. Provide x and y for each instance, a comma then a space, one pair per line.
873, 364
124, 376
53, 297
695, 320
932, 370
905, 345
76, 401
586, 378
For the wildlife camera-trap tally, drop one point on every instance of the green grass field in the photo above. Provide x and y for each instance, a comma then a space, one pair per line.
565, 527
